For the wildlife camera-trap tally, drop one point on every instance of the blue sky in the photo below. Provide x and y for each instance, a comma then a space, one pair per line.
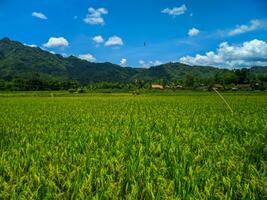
224, 33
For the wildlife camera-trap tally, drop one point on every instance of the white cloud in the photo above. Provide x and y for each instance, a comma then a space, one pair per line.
175, 11
98, 39
39, 15
56, 42
64, 55
155, 63
95, 16
254, 25
250, 53
114, 41
141, 62
193, 32
30, 45
123, 62
148, 64
88, 57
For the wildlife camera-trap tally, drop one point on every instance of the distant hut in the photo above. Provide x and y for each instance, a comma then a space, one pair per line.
178, 87
218, 87
234, 89
157, 86
244, 87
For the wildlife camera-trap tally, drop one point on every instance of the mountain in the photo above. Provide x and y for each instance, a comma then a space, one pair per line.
21, 61
87, 72
259, 71
18, 60
175, 71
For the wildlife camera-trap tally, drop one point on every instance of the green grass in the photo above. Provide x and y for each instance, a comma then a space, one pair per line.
184, 146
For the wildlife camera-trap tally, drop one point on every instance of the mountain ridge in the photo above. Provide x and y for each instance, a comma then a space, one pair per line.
19, 60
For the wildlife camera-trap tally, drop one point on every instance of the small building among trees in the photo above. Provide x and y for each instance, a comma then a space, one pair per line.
244, 87
218, 87
157, 86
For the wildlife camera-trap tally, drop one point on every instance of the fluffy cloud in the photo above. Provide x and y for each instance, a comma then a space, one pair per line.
98, 39
250, 53
88, 57
149, 63
193, 32
95, 16
39, 15
114, 41
123, 62
254, 25
56, 42
175, 11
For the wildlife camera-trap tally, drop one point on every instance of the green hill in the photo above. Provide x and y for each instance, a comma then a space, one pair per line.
18, 60
175, 71
21, 61
87, 72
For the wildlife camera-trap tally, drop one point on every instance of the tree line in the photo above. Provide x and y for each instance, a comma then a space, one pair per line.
228, 79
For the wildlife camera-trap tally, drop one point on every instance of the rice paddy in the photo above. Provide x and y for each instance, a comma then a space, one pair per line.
186, 146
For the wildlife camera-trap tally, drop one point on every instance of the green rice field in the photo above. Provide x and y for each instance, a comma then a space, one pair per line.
119, 146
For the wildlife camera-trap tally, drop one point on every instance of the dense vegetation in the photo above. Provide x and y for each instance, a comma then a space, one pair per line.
29, 68
133, 147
